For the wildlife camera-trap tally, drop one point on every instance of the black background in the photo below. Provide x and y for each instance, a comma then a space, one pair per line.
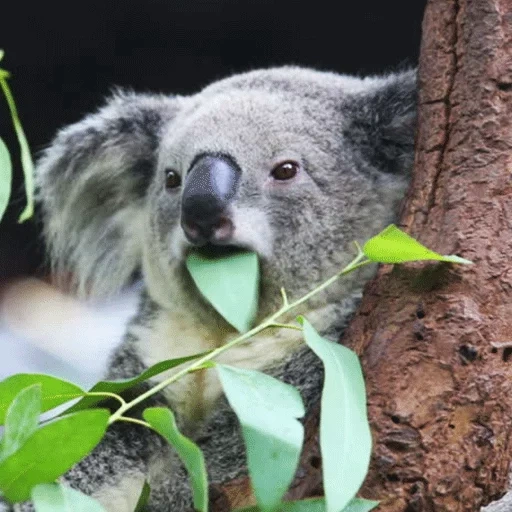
65, 56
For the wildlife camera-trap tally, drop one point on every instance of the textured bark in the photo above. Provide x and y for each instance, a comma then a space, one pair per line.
436, 340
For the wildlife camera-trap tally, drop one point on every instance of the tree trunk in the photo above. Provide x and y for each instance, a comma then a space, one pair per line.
436, 339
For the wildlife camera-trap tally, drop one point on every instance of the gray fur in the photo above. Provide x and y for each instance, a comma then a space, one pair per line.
107, 215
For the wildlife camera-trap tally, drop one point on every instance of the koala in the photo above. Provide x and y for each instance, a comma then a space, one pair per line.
291, 163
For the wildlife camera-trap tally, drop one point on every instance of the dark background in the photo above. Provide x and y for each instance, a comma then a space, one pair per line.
66, 55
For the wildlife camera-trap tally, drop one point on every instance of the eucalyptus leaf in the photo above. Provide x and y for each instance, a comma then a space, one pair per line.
51, 451
360, 505
345, 438
394, 246
60, 498
21, 420
5, 177
54, 391
118, 386
143, 498
230, 284
26, 158
268, 410
317, 505
163, 421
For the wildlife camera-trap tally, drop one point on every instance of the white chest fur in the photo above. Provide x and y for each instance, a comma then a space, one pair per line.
175, 334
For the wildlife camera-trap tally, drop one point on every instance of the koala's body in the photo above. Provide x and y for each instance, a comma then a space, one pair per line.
293, 164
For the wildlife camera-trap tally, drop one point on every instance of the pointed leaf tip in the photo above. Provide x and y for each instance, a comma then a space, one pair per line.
392, 245
230, 284
345, 438
164, 422
267, 410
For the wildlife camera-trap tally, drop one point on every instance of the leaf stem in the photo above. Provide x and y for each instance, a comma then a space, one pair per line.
106, 394
356, 263
134, 420
287, 326
285, 297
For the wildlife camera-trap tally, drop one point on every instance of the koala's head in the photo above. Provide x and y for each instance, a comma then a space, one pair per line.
290, 163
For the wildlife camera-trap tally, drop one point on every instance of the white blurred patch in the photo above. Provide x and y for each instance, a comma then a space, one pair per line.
44, 330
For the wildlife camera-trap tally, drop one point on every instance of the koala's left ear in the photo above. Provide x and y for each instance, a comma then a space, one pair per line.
92, 183
383, 122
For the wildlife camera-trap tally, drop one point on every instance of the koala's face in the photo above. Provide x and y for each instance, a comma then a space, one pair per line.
270, 171
292, 164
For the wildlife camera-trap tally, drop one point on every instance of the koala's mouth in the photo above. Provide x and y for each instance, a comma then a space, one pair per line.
214, 251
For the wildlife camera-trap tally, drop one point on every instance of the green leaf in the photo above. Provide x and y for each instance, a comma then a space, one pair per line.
360, 505
2, 53
51, 451
59, 498
268, 410
345, 438
317, 505
230, 284
26, 158
21, 420
119, 386
163, 421
143, 498
54, 391
394, 246
5, 177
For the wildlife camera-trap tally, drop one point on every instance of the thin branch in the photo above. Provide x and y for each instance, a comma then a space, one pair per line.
285, 297
134, 420
270, 322
106, 394
287, 326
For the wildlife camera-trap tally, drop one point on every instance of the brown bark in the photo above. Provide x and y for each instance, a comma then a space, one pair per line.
436, 340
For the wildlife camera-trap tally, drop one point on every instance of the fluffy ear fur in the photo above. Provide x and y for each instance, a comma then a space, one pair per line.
384, 122
92, 182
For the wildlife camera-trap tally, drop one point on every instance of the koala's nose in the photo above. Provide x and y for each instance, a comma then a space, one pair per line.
210, 186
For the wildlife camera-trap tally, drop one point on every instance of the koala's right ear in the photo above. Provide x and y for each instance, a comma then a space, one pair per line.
383, 122
92, 183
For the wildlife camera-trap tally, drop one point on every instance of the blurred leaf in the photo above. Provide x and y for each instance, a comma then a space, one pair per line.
163, 421
26, 158
345, 438
317, 505
394, 246
2, 53
59, 498
54, 391
143, 498
5, 177
51, 451
230, 284
268, 410
118, 386
360, 505
21, 420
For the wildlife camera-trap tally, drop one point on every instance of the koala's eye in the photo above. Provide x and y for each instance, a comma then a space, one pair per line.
172, 179
285, 170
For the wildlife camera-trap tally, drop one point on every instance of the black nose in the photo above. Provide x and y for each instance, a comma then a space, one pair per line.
210, 186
